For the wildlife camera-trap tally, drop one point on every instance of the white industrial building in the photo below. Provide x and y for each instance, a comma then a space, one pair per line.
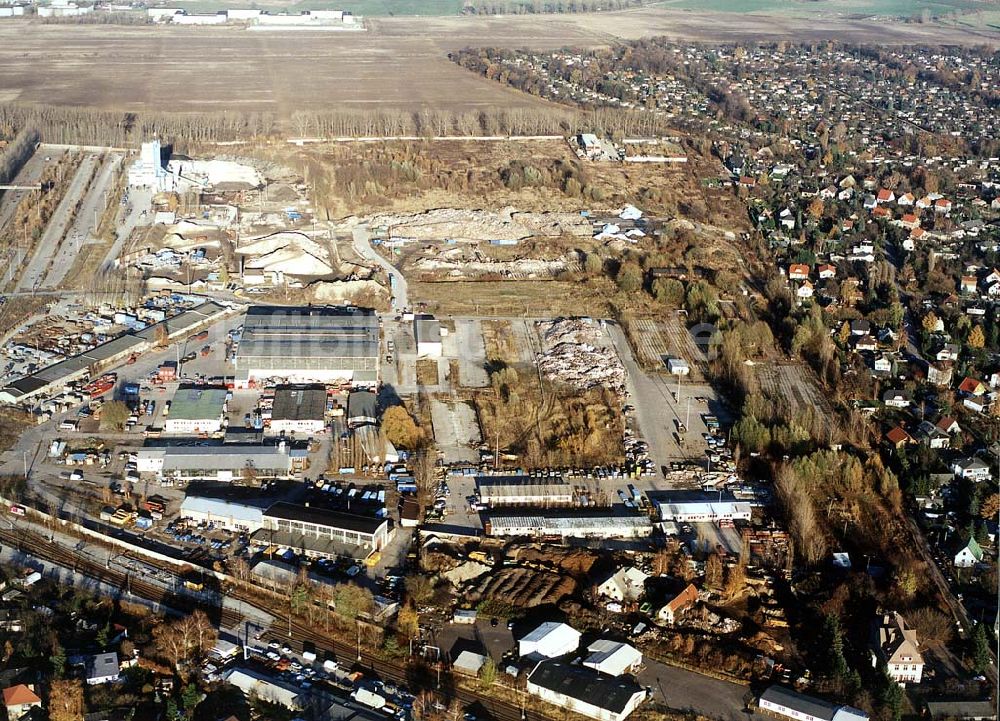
149, 170
196, 410
495, 491
549, 640
231, 515
568, 523
696, 507
788, 704
298, 411
267, 688
678, 366
585, 691
63, 9
248, 464
613, 658
316, 532
314, 344
427, 333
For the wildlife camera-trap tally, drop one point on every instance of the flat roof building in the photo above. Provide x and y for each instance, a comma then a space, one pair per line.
606, 523
698, 506
298, 410
427, 333
229, 514
320, 532
227, 463
497, 491
313, 344
196, 410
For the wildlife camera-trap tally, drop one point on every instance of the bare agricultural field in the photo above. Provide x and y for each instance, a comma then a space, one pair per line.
397, 63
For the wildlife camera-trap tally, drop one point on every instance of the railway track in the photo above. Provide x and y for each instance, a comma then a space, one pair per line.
400, 672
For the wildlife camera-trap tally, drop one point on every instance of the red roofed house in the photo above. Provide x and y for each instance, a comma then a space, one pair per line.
909, 221
942, 205
686, 598
897, 437
885, 196
827, 271
748, 182
948, 425
19, 700
905, 199
798, 271
972, 386
881, 212
917, 233
968, 284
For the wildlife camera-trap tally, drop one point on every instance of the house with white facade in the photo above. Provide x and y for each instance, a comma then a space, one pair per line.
895, 644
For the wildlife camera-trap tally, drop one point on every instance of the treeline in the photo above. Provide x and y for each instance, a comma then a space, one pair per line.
101, 18
81, 126
16, 154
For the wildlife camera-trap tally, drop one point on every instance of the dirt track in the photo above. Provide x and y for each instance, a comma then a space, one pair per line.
399, 62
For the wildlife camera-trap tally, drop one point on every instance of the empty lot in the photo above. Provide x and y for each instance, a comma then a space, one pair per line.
398, 63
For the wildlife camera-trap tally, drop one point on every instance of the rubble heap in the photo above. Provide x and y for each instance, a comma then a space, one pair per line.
573, 352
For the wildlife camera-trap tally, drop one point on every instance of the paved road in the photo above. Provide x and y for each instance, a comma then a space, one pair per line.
30, 174
33, 275
84, 227
362, 246
137, 213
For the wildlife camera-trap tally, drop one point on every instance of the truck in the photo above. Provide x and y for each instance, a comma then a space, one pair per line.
368, 698
150, 408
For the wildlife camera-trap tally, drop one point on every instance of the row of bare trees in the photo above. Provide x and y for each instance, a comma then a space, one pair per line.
16, 154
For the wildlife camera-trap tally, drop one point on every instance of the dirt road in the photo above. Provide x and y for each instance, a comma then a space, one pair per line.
362, 246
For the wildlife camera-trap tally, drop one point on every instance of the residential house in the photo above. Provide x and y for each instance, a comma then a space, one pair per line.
949, 425
942, 206
972, 386
898, 438
101, 668
905, 200
968, 555
895, 644
973, 468
897, 398
861, 327
625, 584
798, 271
678, 604
948, 352
827, 271
940, 374
882, 213
869, 202
909, 221
932, 436
20, 700
865, 343
882, 365
885, 196
805, 290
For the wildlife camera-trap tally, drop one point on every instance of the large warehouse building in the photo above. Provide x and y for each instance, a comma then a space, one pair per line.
196, 410
246, 464
318, 532
322, 344
603, 523
298, 410
496, 491
698, 507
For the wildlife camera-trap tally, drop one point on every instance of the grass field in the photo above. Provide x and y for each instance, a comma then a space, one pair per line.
866, 8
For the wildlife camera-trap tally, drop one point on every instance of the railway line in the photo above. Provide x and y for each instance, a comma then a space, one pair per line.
399, 672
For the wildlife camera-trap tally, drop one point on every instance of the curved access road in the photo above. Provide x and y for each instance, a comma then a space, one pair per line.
363, 247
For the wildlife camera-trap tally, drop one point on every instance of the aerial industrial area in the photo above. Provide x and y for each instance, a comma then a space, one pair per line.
672, 393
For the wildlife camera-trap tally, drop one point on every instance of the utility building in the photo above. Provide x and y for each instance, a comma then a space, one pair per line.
196, 410
496, 491
321, 344
427, 333
299, 411
317, 532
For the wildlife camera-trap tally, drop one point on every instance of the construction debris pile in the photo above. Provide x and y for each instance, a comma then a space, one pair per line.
478, 226
575, 352
287, 253
459, 264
